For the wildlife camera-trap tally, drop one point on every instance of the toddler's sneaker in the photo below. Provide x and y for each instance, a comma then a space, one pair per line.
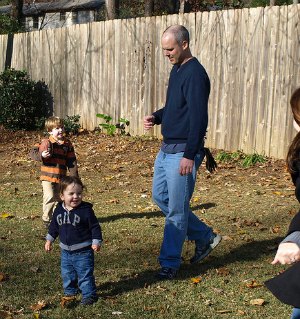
202, 251
167, 273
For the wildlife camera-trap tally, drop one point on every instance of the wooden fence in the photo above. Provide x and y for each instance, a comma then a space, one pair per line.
116, 67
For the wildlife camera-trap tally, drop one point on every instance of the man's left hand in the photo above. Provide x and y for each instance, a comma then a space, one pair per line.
186, 166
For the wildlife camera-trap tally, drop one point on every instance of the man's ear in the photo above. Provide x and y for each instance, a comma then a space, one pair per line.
185, 45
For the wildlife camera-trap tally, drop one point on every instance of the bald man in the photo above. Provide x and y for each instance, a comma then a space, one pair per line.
183, 122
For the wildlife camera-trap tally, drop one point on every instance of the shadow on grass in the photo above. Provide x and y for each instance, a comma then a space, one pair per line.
203, 206
130, 216
247, 252
155, 214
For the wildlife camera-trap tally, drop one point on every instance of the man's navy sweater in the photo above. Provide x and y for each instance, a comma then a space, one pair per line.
185, 115
77, 228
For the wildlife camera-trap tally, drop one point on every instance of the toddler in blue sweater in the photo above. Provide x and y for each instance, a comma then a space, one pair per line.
79, 232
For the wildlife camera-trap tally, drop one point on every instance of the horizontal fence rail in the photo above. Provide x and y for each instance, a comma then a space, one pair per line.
117, 67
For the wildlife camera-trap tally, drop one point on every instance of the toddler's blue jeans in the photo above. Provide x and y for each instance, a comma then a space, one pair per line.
77, 271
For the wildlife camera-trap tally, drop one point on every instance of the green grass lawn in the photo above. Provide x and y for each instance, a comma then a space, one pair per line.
251, 208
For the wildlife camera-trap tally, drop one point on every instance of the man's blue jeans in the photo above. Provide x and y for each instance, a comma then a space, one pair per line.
296, 313
172, 193
77, 270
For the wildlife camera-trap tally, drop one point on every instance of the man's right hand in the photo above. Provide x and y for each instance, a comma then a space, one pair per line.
148, 122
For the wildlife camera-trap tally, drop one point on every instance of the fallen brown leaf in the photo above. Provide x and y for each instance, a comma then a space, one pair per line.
275, 229
113, 201
65, 300
257, 302
226, 238
161, 288
39, 306
253, 284
223, 271
34, 269
3, 277
5, 315
149, 308
196, 280
218, 290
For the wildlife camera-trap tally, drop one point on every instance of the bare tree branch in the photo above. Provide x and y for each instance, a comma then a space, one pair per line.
149, 8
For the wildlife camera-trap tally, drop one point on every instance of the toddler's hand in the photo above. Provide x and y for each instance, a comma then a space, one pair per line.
46, 154
96, 247
287, 253
48, 245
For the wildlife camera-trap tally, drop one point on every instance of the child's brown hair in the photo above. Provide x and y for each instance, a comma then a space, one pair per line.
293, 155
68, 180
53, 122
295, 104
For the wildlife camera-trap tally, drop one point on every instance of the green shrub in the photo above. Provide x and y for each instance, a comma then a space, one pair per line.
111, 128
24, 104
252, 159
71, 124
9, 25
107, 126
245, 160
223, 156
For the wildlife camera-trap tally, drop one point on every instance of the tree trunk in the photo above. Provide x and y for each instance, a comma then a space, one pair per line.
110, 9
181, 7
295, 1
17, 10
272, 3
172, 6
149, 8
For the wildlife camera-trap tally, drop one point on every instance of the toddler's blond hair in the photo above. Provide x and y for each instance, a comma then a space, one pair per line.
53, 122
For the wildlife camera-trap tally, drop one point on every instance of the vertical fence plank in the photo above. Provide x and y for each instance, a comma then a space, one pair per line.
273, 54
215, 62
3, 50
259, 62
101, 96
139, 70
280, 102
249, 80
